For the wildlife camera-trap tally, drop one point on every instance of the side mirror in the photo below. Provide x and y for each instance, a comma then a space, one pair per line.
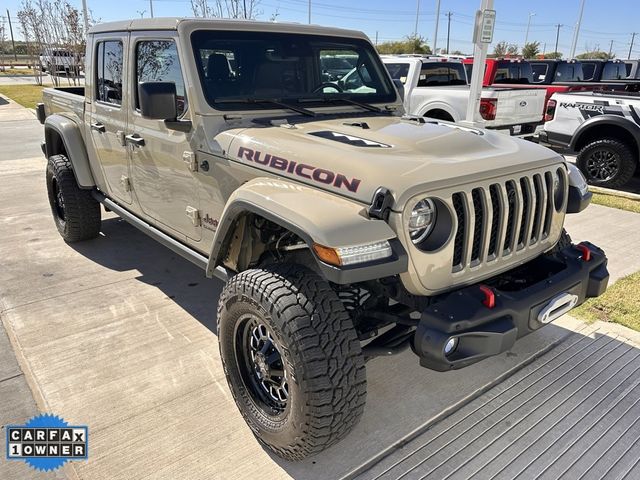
399, 87
158, 100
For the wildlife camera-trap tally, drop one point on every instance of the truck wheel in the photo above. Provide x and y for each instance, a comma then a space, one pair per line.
607, 163
75, 212
292, 359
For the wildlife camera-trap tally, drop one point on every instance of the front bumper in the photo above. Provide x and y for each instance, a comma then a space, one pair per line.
481, 332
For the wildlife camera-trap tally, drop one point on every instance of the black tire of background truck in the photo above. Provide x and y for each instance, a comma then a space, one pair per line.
320, 352
75, 212
621, 154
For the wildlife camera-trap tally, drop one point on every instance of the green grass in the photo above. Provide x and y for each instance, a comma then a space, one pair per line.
620, 203
619, 304
25, 95
16, 71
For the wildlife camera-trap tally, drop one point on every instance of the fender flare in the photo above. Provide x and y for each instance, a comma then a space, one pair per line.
73, 144
316, 217
439, 106
615, 120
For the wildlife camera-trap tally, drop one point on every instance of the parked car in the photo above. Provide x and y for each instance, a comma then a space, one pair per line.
344, 230
437, 88
517, 73
603, 128
59, 60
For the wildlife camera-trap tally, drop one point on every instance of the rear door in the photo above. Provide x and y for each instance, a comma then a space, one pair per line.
164, 182
107, 113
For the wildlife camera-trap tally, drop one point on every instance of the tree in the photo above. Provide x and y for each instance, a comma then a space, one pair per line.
553, 55
531, 50
599, 54
246, 9
513, 50
500, 50
411, 44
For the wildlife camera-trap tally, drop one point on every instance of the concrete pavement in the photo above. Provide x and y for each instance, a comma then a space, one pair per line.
118, 333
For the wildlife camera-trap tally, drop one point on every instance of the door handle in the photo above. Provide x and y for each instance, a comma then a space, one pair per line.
134, 139
98, 127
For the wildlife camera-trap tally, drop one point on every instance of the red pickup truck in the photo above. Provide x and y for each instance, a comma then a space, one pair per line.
517, 73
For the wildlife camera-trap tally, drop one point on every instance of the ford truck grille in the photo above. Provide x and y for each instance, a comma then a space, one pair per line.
504, 218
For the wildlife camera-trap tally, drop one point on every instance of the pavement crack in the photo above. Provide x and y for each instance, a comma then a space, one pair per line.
12, 377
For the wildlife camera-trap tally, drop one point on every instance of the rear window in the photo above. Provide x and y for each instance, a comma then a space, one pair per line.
569, 72
614, 71
514, 72
398, 71
442, 73
539, 72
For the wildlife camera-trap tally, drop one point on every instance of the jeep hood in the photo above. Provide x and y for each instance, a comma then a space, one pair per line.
353, 157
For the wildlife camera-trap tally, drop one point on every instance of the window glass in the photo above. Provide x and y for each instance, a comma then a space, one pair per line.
539, 72
157, 61
109, 72
614, 71
398, 71
237, 68
569, 72
433, 74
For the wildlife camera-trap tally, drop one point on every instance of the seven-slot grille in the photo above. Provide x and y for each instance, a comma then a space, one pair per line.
506, 217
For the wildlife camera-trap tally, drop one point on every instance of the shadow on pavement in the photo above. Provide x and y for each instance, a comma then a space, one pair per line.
122, 247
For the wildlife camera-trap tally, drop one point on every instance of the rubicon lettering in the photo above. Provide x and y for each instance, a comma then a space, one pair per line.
303, 170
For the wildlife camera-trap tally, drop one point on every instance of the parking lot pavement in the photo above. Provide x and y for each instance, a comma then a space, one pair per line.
119, 333
21, 133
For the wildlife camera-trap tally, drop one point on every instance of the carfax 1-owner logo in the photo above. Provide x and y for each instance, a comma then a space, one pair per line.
46, 442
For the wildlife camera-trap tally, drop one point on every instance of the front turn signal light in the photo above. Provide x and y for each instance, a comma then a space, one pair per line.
343, 256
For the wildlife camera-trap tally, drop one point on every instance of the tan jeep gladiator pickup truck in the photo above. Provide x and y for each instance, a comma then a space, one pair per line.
345, 230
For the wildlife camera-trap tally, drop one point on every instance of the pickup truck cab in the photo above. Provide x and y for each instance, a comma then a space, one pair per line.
344, 229
436, 87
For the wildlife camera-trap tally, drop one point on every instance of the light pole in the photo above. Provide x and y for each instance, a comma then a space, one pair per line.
151, 8
309, 12
574, 44
526, 36
85, 16
435, 36
415, 30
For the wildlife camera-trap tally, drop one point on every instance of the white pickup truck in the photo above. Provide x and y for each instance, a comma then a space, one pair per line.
437, 87
602, 128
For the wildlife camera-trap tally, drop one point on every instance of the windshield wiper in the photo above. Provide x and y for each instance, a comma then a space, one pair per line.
271, 101
366, 106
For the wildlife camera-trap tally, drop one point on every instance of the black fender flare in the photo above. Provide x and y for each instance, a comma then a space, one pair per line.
73, 145
614, 120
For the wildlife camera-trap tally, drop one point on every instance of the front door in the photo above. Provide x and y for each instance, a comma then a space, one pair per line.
108, 116
160, 168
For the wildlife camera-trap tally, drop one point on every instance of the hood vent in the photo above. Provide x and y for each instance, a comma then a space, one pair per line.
349, 139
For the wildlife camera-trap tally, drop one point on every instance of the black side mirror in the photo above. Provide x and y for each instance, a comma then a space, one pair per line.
399, 87
158, 100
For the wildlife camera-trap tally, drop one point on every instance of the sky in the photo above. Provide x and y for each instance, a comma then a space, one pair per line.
394, 20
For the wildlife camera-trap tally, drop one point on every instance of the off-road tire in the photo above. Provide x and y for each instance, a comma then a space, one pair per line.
563, 242
77, 217
320, 349
624, 157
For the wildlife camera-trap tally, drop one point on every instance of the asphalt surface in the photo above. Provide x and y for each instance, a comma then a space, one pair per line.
119, 333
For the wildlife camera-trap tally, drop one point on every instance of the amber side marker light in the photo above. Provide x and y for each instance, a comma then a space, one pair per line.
342, 256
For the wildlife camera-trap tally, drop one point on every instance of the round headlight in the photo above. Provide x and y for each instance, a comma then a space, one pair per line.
422, 220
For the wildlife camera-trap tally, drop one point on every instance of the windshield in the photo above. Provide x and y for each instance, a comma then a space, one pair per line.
514, 72
255, 66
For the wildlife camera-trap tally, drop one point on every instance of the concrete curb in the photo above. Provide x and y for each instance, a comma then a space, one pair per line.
614, 193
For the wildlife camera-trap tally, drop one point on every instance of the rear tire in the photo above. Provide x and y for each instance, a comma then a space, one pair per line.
292, 359
607, 163
75, 212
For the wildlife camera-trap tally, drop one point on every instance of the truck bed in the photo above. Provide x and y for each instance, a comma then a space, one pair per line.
64, 99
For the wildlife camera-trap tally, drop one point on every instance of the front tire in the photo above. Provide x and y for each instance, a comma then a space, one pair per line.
292, 359
607, 163
75, 212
